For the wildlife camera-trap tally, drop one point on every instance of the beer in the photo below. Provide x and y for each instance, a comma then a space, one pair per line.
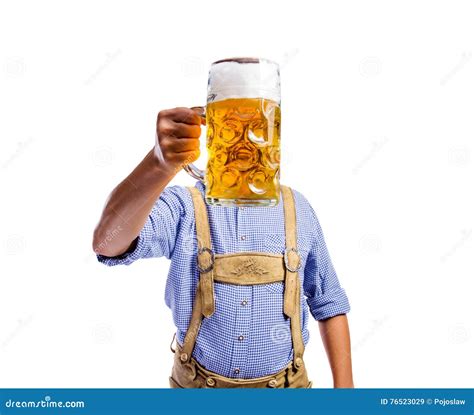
243, 143
243, 133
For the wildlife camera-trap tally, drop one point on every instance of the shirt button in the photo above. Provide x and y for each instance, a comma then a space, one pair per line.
237, 371
240, 338
241, 208
243, 238
244, 302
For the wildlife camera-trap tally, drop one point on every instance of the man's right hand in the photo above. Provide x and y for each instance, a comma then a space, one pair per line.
128, 206
177, 138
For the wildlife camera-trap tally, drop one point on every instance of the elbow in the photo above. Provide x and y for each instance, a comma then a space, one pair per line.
107, 243
100, 243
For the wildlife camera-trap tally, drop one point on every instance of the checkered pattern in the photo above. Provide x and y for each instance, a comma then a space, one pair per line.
254, 312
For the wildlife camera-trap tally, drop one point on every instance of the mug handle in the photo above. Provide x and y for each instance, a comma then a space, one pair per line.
191, 169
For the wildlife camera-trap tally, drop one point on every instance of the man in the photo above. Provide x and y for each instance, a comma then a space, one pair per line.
238, 324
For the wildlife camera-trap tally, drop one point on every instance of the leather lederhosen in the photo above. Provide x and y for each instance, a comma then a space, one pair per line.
243, 268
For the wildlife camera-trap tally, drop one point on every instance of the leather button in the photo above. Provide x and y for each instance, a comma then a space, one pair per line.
184, 357
272, 383
298, 362
210, 382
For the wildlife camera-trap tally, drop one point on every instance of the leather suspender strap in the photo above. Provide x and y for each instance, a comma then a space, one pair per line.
204, 298
205, 256
291, 300
193, 328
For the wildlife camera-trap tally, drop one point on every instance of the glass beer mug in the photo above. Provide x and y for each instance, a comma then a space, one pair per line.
243, 133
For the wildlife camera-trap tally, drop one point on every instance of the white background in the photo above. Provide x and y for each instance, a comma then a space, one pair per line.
377, 107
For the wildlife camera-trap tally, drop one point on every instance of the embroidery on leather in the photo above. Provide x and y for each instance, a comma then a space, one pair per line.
249, 267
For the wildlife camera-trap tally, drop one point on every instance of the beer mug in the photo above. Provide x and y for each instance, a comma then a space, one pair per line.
243, 133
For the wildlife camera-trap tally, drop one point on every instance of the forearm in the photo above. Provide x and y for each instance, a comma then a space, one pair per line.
336, 339
128, 206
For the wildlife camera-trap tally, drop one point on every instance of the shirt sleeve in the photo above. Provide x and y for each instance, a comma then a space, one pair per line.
158, 236
325, 296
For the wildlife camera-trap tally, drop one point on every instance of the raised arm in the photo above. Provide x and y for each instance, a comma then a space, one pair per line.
128, 206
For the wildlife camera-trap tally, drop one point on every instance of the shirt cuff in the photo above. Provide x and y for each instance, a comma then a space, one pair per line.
142, 246
329, 304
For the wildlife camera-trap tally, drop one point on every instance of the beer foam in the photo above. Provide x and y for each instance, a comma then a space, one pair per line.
231, 79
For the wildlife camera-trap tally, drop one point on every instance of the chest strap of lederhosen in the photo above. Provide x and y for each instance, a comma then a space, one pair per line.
292, 297
204, 299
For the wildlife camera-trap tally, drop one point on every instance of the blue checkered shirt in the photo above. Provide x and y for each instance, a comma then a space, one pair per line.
248, 335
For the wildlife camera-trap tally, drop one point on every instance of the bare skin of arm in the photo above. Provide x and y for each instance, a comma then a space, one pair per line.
128, 206
336, 339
